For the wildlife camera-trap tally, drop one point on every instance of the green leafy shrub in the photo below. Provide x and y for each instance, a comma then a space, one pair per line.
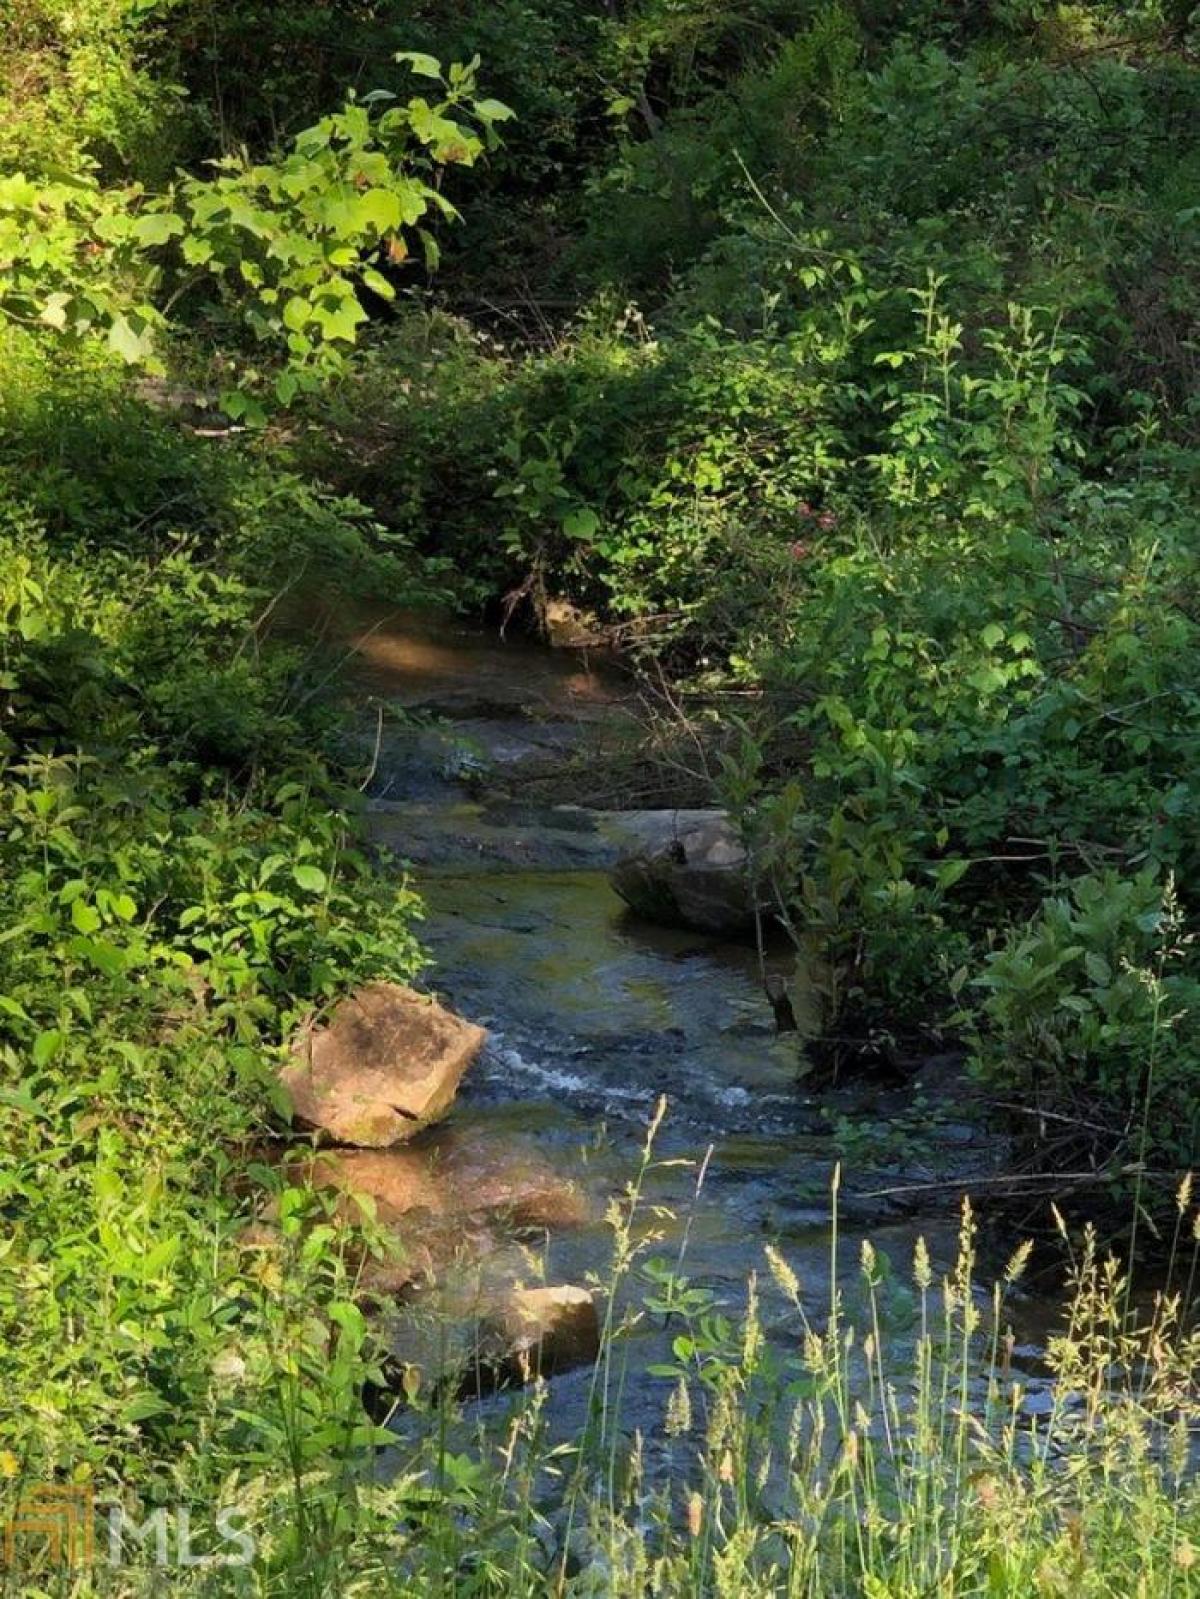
290, 244
1089, 1007
78, 90
181, 883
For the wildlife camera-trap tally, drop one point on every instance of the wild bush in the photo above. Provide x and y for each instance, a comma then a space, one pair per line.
1091, 1004
181, 882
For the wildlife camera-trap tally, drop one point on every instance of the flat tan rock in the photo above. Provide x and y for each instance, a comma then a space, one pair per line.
389, 1063
474, 1176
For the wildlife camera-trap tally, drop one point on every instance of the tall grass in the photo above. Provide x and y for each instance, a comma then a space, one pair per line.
839, 1456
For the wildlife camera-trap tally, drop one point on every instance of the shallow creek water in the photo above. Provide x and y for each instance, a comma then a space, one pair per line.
593, 1015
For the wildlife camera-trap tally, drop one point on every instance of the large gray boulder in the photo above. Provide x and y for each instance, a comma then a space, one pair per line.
694, 874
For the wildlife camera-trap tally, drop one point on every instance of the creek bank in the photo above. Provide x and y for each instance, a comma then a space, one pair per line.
593, 1013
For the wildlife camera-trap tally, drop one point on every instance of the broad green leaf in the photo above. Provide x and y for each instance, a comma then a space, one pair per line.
949, 872
429, 245
54, 312
415, 199
1097, 969
339, 319
350, 1319
157, 227
493, 111
296, 313
378, 284
104, 955
378, 208
581, 523
197, 250
144, 1405
46, 1046
126, 342
424, 66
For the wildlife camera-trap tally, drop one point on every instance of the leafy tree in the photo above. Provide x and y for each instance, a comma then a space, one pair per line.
291, 244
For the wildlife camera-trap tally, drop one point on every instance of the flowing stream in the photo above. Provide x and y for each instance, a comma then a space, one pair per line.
593, 1015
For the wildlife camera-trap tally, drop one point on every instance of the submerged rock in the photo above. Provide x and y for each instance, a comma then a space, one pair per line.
507, 1178
503, 1178
389, 1063
479, 1331
547, 1330
694, 876
446, 1208
389, 1185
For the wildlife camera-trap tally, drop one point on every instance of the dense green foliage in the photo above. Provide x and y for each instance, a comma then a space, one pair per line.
180, 884
884, 401
840, 353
